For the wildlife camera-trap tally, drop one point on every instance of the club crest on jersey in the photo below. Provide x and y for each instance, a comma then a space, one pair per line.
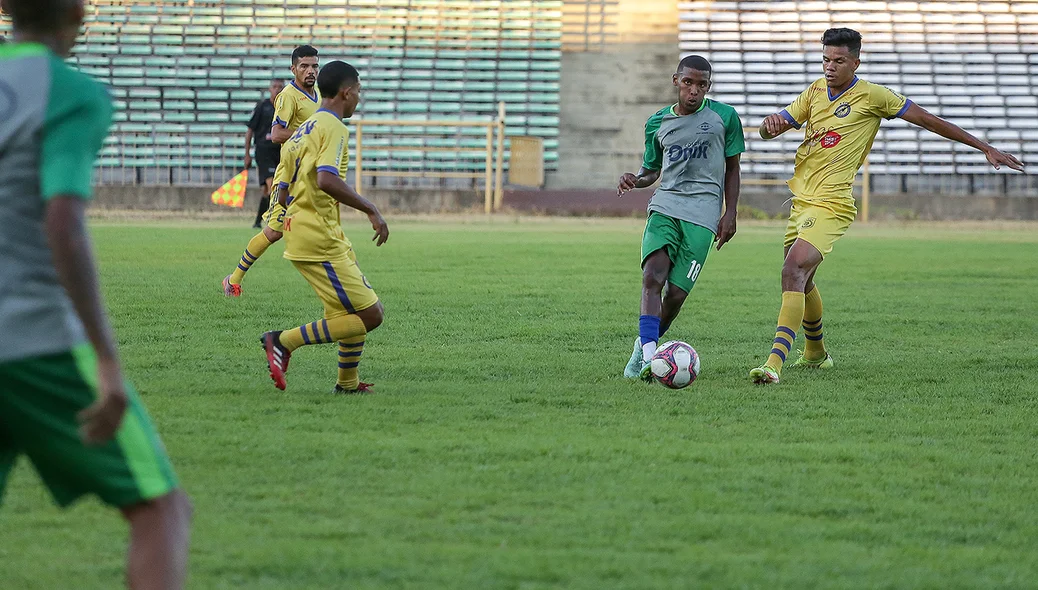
843, 110
705, 126
808, 223
830, 140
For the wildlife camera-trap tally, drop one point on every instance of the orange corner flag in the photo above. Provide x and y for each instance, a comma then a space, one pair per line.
232, 194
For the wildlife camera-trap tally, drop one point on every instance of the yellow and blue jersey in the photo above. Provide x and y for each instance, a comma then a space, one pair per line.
295, 105
839, 134
313, 229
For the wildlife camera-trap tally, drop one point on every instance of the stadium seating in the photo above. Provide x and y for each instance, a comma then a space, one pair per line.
975, 63
203, 64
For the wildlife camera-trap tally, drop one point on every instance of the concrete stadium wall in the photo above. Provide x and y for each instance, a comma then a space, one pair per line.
196, 199
626, 81
580, 201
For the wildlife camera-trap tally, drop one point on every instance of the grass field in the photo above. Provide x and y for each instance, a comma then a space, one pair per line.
504, 450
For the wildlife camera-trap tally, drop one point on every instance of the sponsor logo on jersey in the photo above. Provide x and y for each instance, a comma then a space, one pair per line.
830, 140
692, 151
843, 110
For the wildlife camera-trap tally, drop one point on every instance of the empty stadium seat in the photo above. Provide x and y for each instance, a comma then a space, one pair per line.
974, 63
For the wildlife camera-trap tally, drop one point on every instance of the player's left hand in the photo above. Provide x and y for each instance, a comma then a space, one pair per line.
99, 422
381, 228
725, 229
998, 158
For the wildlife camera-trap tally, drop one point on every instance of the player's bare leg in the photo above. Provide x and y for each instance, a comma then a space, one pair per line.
159, 538
654, 276
802, 260
672, 302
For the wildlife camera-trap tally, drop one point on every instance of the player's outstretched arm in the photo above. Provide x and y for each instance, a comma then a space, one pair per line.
643, 179
920, 117
74, 262
340, 191
774, 126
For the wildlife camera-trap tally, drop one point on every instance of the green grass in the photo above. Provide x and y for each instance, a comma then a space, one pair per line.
503, 449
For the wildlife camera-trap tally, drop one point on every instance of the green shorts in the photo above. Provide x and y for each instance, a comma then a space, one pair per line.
39, 400
685, 243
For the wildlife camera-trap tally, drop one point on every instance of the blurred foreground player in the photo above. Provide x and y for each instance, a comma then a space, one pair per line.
842, 114
311, 185
63, 401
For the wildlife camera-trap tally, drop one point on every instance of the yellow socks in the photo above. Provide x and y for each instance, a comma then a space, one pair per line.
343, 327
814, 348
257, 246
350, 350
790, 316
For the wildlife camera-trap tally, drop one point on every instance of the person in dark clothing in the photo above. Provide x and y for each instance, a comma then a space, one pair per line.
268, 153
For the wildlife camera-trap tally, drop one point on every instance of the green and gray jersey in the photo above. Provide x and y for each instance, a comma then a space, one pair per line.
56, 119
690, 152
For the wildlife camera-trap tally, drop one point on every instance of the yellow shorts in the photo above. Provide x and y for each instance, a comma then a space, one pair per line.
819, 222
339, 284
276, 216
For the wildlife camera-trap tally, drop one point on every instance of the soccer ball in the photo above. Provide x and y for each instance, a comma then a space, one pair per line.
675, 364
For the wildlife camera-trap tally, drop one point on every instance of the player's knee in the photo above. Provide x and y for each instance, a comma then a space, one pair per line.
794, 274
675, 297
173, 508
654, 276
373, 316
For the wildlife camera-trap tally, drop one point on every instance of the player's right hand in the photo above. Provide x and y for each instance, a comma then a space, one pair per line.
998, 158
627, 182
99, 422
381, 228
248, 161
776, 125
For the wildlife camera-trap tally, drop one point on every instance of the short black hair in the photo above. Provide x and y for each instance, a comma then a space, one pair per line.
37, 15
841, 37
695, 62
303, 51
334, 75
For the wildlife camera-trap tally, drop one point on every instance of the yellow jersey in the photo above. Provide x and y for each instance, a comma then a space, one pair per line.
295, 105
313, 229
839, 134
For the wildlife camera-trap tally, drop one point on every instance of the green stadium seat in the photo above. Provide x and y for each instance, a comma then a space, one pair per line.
145, 116
144, 93
178, 105
188, 116
168, 50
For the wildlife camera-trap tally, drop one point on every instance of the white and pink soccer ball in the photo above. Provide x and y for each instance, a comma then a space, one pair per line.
675, 364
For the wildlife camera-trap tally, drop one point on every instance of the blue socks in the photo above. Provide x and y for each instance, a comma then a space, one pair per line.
649, 335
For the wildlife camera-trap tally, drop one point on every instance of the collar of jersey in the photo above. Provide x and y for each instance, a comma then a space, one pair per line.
701, 107
829, 92
330, 112
305, 93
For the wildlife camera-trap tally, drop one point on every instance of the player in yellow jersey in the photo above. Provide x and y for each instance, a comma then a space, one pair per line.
311, 185
842, 114
295, 104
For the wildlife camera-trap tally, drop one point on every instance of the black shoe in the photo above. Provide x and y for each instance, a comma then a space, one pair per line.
362, 388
